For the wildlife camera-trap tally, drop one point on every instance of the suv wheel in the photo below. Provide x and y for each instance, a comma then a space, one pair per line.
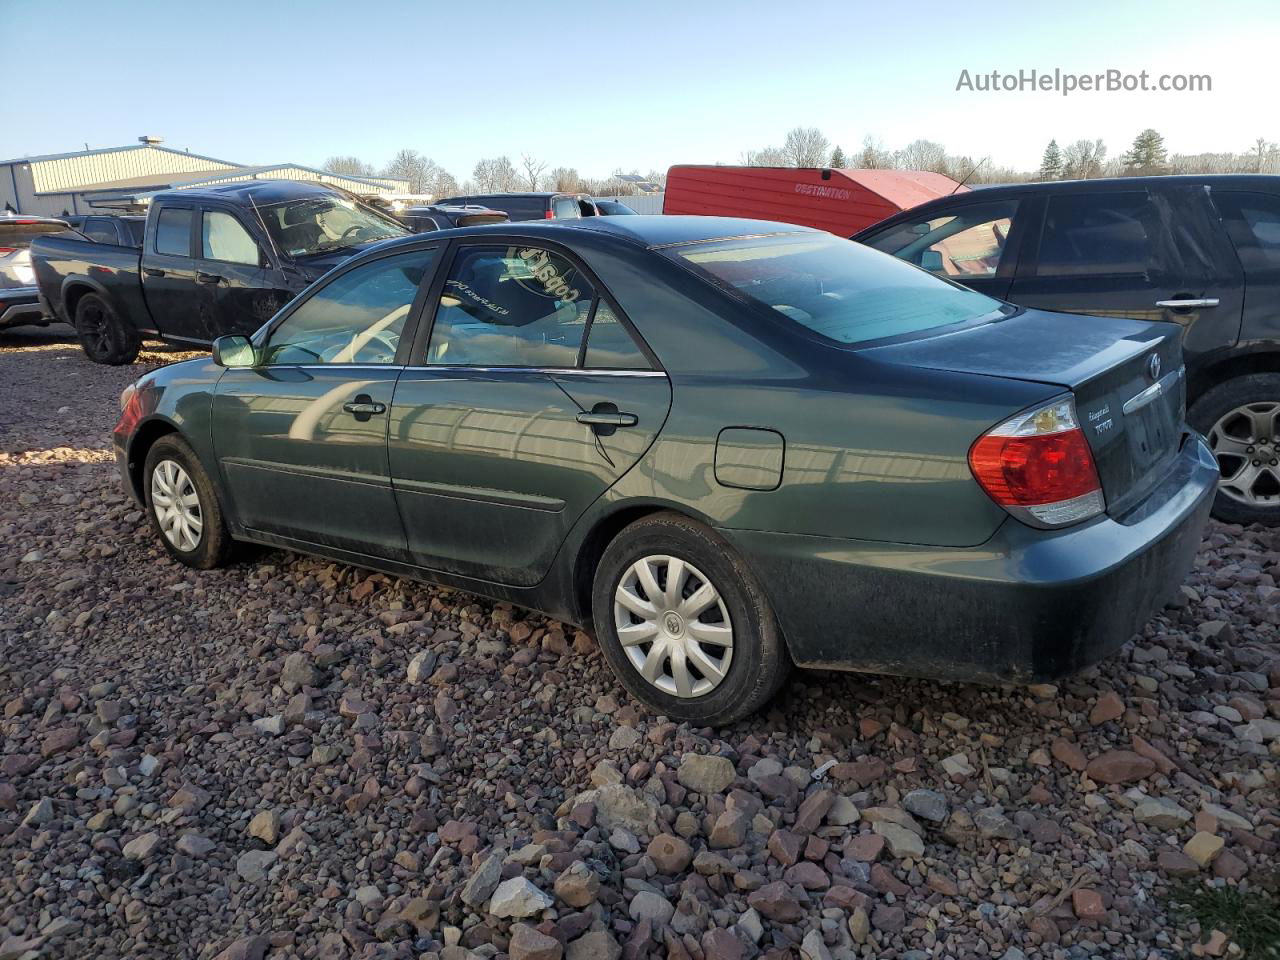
104, 336
684, 623
1241, 419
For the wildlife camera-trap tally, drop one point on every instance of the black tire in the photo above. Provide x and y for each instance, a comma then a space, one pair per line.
1208, 413
104, 335
758, 664
214, 545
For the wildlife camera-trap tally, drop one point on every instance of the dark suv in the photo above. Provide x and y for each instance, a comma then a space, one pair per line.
1201, 251
438, 216
530, 206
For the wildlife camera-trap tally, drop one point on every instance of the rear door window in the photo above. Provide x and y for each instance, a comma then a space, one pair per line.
566, 208
510, 307
100, 229
519, 208
968, 241
610, 345
173, 231
1096, 235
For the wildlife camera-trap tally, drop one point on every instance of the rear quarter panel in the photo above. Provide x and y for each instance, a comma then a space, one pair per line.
66, 267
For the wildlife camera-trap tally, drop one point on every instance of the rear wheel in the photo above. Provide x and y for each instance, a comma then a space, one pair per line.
183, 505
1241, 419
685, 624
104, 335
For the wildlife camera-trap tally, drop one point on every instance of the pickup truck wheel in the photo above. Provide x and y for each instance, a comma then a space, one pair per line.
1241, 419
685, 624
104, 336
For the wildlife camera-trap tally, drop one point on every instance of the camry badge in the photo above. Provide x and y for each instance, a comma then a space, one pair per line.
1153, 367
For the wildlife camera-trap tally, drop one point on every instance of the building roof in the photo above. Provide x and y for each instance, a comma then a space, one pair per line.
72, 154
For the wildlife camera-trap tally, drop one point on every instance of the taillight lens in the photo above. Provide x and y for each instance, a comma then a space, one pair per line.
1038, 466
5, 251
550, 215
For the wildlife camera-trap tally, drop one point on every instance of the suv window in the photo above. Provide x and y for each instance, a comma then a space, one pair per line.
223, 237
968, 241
609, 344
100, 229
1096, 235
566, 208
173, 231
357, 317
1253, 223
518, 208
510, 307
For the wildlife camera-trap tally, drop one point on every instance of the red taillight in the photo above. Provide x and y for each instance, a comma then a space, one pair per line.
1039, 467
551, 215
5, 251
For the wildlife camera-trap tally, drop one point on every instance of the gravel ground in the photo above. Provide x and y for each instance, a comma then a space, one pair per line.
294, 758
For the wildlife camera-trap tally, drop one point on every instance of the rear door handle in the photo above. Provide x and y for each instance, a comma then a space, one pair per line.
594, 419
208, 278
1200, 303
153, 272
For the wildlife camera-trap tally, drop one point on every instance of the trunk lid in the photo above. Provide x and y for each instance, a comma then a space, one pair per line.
1126, 375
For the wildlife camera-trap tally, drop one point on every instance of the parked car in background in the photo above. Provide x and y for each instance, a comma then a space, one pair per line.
613, 208
213, 261
126, 231
533, 205
1199, 251
19, 298
714, 438
441, 217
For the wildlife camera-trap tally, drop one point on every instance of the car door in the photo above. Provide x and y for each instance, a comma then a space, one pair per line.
974, 242
1146, 254
238, 284
169, 273
528, 399
1252, 221
301, 438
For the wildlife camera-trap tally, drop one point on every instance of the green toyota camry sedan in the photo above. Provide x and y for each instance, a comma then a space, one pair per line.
728, 446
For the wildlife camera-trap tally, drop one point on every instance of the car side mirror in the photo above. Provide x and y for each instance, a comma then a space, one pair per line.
234, 351
931, 260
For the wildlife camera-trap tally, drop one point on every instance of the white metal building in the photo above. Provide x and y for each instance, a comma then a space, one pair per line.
75, 183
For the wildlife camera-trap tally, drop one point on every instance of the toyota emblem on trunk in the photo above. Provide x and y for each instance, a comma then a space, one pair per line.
1153, 367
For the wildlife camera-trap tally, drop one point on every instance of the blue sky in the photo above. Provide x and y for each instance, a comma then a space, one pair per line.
605, 85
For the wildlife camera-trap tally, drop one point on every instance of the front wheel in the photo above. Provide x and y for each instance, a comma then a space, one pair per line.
1241, 420
104, 335
183, 505
684, 623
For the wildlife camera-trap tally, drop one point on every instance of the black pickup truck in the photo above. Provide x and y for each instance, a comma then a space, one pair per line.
215, 261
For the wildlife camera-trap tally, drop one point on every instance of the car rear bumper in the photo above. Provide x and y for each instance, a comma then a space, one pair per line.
1026, 605
19, 305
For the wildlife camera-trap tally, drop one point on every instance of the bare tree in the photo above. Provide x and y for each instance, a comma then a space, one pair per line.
874, 156
806, 147
411, 166
1084, 159
533, 170
350, 166
565, 180
768, 157
495, 174
924, 155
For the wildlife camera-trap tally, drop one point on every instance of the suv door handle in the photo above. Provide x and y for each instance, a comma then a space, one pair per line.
363, 407
1202, 302
606, 419
208, 278
153, 272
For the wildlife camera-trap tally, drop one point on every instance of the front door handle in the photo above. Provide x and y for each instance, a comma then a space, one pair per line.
1191, 304
363, 407
608, 419
153, 272
208, 278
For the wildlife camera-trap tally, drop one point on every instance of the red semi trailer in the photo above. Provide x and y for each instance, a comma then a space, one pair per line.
841, 201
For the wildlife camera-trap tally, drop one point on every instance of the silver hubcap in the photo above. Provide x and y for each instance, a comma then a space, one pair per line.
177, 505
673, 626
1247, 444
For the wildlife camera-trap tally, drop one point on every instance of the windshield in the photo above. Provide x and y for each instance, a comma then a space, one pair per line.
835, 287
300, 228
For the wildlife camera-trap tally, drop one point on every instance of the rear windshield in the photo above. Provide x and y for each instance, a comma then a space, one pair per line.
839, 289
519, 208
17, 235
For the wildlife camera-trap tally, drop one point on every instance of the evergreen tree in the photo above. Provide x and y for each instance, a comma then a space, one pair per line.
838, 160
1051, 163
1147, 156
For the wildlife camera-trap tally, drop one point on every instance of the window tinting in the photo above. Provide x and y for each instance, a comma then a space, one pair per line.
1253, 223
566, 208
518, 208
357, 317
100, 229
837, 288
610, 345
510, 307
969, 241
173, 232
222, 237
1103, 234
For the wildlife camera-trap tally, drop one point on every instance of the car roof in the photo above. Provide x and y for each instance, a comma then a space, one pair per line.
259, 191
